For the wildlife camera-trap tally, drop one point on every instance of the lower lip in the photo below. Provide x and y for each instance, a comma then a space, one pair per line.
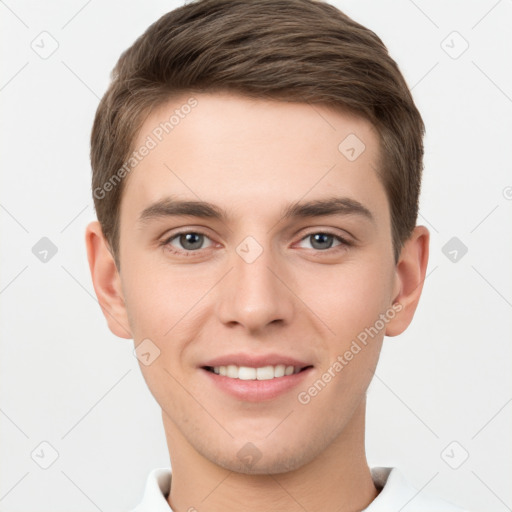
257, 390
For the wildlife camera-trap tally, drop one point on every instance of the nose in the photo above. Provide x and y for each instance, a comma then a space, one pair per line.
255, 293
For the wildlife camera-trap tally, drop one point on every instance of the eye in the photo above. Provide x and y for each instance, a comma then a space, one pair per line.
323, 241
187, 241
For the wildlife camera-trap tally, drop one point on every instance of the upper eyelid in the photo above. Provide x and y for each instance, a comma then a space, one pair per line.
342, 239
184, 231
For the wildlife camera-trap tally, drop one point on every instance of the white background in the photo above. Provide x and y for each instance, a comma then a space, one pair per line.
66, 380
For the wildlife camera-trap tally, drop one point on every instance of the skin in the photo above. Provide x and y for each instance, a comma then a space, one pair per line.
253, 158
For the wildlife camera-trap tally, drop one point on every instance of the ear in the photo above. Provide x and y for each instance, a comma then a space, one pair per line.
409, 277
106, 281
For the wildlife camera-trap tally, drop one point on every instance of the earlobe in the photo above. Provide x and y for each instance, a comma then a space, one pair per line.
106, 281
410, 275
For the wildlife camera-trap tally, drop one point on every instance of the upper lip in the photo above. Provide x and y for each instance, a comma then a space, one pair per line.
255, 361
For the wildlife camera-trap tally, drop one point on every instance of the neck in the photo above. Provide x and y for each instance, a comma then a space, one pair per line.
337, 480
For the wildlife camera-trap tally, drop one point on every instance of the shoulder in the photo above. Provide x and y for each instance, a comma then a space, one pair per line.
158, 485
397, 494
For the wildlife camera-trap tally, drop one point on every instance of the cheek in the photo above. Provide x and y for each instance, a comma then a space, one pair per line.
153, 302
356, 296
160, 309
158, 297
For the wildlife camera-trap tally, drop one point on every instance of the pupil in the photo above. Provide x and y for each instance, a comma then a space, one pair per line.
191, 240
321, 240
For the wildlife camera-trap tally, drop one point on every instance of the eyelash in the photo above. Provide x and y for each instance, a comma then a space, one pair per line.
166, 243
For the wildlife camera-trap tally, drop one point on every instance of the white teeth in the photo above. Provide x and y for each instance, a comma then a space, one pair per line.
247, 373
279, 370
265, 373
232, 371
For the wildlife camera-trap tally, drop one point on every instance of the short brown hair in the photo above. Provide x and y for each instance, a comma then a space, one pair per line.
288, 50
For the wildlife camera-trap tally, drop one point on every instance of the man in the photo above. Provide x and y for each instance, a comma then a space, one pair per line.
256, 174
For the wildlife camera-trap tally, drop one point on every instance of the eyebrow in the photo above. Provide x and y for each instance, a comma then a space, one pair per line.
170, 207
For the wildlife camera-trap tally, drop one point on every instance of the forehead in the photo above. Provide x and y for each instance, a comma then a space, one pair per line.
248, 153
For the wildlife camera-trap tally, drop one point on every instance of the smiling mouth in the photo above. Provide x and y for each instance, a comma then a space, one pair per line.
261, 373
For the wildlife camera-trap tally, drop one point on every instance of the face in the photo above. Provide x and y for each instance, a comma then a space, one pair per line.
255, 236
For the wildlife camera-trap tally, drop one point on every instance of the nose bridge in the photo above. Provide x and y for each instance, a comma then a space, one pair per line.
253, 296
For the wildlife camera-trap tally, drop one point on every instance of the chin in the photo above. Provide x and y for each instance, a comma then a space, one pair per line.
251, 460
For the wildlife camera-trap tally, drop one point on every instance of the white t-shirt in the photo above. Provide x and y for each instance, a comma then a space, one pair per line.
396, 494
